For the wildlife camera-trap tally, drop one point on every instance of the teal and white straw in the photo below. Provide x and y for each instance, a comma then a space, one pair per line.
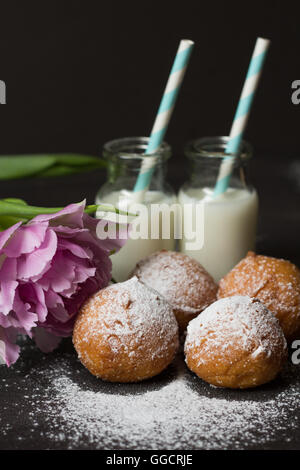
163, 118
242, 114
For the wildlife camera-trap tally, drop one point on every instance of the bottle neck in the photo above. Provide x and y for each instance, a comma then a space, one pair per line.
125, 158
206, 156
127, 171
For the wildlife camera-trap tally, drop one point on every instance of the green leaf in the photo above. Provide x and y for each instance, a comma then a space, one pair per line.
24, 166
15, 201
74, 159
61, 170
7, 221
24, 211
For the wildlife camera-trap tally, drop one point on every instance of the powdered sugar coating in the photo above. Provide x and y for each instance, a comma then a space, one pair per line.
236, 342
238, 321
180, 279
123, 326
276, 282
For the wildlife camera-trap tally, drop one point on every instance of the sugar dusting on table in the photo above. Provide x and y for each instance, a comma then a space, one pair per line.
180, 413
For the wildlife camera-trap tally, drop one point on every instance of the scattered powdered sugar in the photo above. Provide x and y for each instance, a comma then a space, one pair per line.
232, 323
71, 409
179, 278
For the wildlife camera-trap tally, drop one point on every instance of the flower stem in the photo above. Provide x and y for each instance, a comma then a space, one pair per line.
21, 211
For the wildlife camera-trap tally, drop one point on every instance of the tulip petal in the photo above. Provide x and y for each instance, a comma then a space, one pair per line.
70, 216
26, 239
33, 294
7, 296
34, 263
6, 234
77, 250
8, 269
61, 274
27, 319
9, 351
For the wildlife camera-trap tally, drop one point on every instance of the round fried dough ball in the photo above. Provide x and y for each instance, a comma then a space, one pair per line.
126, 333
185, 284
276, 282
236, 343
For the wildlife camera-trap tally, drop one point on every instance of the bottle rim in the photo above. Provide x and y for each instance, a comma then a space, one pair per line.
133, 148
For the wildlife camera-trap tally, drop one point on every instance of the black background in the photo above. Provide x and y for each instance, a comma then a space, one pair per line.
79, 73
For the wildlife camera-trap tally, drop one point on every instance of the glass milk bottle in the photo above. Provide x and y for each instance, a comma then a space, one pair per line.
124, 159
228, 220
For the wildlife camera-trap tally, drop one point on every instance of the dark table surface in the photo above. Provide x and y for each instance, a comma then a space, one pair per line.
278, 182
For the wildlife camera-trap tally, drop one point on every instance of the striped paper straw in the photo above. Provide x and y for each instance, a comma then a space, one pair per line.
163, 118
242, 114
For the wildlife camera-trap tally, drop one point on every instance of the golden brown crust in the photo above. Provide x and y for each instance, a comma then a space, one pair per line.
276, 282
184, 283
235, 343
242, 373
126, 333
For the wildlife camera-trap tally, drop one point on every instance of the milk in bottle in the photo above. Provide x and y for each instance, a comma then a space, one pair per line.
124, 158
228, 220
